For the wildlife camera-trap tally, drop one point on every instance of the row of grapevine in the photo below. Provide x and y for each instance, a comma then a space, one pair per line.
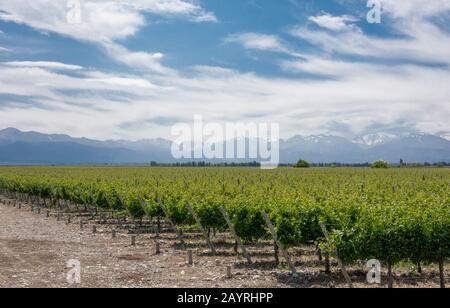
389, 215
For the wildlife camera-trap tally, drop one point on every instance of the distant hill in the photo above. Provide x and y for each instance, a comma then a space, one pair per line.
18, 147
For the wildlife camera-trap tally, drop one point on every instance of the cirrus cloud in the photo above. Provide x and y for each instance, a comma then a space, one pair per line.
335, 23
44, 64
357, 83
103, 22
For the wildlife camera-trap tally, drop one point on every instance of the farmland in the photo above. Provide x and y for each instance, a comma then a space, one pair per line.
397, 216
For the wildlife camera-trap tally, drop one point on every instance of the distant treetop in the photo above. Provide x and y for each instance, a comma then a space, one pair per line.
380, 164
302, 164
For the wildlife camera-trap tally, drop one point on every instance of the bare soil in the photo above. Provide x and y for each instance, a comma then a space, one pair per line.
34, 250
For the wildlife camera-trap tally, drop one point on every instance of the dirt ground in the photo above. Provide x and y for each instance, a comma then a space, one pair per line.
34, 250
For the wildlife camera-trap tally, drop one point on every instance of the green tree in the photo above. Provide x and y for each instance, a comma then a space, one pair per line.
302, 164
380, 164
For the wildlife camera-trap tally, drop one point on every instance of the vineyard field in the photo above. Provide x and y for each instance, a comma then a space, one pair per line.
395, 215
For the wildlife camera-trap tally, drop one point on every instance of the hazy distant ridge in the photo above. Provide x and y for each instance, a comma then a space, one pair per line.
17, 147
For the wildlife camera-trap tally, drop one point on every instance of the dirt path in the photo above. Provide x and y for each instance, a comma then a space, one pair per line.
34, 251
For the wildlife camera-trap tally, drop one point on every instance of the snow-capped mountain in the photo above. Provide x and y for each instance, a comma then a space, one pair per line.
372, 140
17, 147
444, 135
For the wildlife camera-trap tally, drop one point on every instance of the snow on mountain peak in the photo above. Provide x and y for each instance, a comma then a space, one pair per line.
372, 140
445, 135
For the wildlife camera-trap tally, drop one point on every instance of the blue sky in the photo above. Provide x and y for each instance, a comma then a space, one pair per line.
132, 69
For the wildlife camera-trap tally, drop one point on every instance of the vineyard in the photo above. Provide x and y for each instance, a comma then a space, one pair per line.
348, 215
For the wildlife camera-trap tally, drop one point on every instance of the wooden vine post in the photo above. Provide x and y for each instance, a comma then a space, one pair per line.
441, 273
234, 234
278, 243
390, 275
341, 264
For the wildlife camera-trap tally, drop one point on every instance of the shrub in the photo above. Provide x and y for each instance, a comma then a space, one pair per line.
380, 164
302, 164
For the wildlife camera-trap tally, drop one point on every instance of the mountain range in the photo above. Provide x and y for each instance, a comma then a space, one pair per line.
18, 147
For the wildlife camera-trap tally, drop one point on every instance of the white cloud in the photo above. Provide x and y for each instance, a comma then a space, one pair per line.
336, 68
205, 17
103, 22
410, 20
3, 49
43, 64
100, 20
121, 81
335, 23
139, 60
358, 94
96, 104
354, 42
213, 70
415, 9
259, 41
165, 7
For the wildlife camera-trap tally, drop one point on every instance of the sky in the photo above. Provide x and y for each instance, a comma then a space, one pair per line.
127, 69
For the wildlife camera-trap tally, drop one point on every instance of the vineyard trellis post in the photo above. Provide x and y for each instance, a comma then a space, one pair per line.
157, 247
390, 275
341, 264
441, 273
278, 243
234, 234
